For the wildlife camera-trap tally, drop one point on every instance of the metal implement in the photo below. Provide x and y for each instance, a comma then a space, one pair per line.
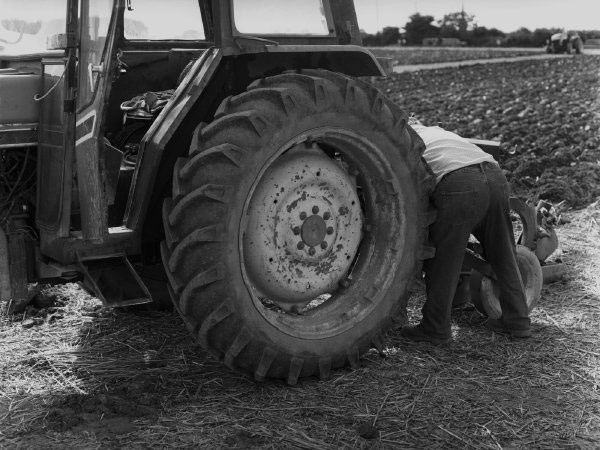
536, 240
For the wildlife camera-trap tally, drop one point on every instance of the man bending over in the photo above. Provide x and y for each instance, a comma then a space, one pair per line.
471, 197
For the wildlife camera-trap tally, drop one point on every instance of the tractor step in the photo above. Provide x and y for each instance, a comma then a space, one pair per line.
113, 280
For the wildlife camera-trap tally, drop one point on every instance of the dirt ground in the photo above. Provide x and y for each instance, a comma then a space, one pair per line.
75, 374
546, 112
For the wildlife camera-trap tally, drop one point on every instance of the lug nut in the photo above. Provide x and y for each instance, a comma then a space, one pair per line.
329, 230
296, 230
302, 215
327, 215
315, 210
323, 245
344, 283
311, 251
300, 245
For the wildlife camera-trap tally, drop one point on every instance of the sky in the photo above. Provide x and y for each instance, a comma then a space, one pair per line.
373, 15
506, 15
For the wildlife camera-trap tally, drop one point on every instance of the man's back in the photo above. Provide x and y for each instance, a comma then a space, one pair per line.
446, 151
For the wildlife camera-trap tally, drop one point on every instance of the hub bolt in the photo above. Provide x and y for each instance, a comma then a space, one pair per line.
315, 209
323, 245
344, 283
296, 230
302, 215
329, 230
327, 215
311, 251
300, 245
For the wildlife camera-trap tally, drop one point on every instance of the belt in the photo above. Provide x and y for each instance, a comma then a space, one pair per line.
483, 165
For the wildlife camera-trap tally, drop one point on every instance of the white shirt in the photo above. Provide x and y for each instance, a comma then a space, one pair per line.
446, 152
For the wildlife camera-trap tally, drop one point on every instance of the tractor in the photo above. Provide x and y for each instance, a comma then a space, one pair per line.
565, 42
240, 169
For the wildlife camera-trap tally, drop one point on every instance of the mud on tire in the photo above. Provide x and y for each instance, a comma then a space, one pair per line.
297, 224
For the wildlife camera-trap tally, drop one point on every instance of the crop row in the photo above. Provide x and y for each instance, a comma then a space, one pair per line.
426, 55
548, 111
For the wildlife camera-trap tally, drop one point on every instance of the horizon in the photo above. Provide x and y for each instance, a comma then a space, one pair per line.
374, 15
507, 16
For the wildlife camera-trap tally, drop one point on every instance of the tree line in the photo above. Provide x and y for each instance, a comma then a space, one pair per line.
462, 26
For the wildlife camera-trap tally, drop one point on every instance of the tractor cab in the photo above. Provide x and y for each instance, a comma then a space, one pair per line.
89, 93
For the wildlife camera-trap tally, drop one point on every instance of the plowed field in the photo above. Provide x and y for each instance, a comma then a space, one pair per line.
546, 112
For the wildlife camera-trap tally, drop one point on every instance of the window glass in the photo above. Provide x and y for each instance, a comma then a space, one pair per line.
95, 20
280, 17
161, 20
25, 25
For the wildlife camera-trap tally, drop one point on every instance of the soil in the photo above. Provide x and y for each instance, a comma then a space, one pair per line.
77, 374
547, 112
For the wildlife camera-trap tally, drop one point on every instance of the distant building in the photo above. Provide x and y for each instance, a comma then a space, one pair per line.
443, 42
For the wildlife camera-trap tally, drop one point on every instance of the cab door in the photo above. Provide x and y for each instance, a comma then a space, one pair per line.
96, 41
70, 174
56, 130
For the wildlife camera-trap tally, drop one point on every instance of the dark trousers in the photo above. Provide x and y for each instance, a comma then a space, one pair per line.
472, 200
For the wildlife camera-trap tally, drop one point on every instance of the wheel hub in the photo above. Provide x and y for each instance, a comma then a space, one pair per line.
304, 228
313, 231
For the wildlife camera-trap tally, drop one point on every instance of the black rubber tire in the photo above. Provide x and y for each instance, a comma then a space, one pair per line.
204, 220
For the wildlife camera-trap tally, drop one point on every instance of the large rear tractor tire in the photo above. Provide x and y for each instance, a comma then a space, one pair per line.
296, 225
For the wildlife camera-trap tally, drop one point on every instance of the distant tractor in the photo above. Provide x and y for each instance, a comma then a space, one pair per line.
565, 42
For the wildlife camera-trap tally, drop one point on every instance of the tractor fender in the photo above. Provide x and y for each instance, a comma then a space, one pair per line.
164, 131
347, 59
213, 77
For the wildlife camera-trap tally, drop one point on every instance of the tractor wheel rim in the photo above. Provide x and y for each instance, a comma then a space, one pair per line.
304, 228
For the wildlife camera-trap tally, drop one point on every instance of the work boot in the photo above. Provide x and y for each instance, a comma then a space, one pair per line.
498, 326
418, 334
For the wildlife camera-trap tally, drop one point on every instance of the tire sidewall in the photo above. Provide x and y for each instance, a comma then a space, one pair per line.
387, 303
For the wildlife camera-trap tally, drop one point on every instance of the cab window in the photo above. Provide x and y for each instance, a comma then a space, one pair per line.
164, 21
284, 17
95, 20
26, 25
